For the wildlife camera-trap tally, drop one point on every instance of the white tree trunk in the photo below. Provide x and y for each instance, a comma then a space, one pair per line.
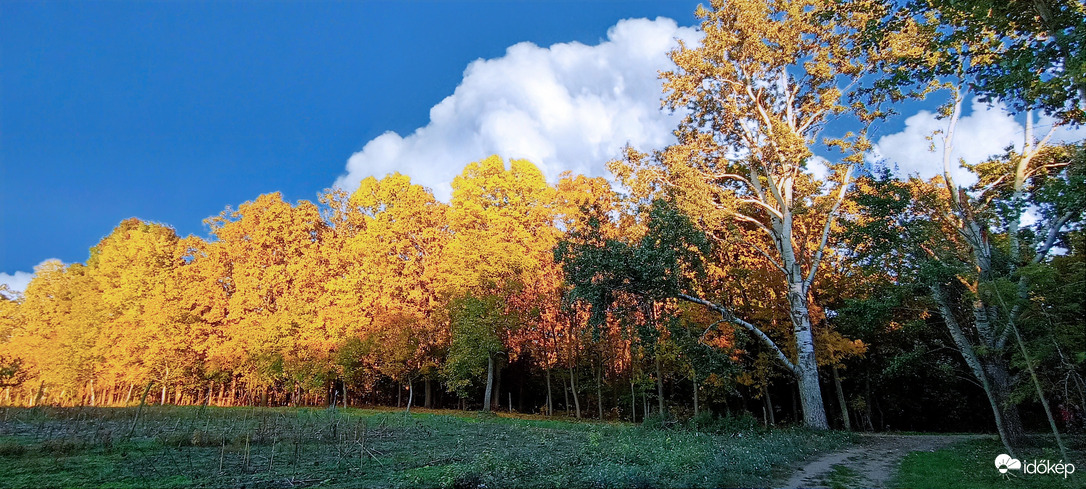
489, 382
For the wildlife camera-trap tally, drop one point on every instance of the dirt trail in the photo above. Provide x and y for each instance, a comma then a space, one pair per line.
874, 459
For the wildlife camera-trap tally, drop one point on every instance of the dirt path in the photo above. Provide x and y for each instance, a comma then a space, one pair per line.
870, 463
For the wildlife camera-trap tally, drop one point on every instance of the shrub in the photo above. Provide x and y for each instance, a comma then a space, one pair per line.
62, 446
11, 449
657, 421
711, 423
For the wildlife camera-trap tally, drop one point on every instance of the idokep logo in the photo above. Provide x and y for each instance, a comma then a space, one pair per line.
1005, 463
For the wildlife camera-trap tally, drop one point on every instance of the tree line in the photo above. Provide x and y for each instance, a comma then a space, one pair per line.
721, 275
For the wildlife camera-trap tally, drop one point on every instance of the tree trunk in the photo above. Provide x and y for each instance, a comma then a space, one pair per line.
143, 401
1007, 421
633, 399
550, 402
489, 382
428, 403
810, 392
659, 385
565, 393
410, 395
1040, 392
599, 390
770, 416
996, 367
695, 379
1029, 150
497, 397
841, 400
573, 388
868, 400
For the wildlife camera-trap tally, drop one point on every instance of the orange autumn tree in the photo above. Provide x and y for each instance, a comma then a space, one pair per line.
757, 90
556, 332
146, 336
266, 262
391, 281
503, 232
56, 332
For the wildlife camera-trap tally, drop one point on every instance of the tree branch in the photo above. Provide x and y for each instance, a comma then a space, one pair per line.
776, 264
760, 204
727, 315
745, 218
948, 146
826, 229
1050, 239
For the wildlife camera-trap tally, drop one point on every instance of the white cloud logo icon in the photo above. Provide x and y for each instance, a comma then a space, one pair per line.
1004, 463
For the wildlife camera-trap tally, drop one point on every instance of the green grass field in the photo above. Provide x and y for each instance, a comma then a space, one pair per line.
971, 465
252, 447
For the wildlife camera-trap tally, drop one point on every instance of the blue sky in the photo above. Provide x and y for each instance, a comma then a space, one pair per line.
170, 111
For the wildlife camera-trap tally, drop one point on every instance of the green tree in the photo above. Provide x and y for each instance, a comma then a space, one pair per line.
1029, 53
642, 276
478, 325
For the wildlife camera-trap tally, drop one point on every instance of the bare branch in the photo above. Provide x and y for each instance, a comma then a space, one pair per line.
948, 146
727, 315
757, 223
826, 229
1050, 238
737, 177
762, 205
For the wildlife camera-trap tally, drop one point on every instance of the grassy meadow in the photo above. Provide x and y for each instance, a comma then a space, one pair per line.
970, 465
297, 447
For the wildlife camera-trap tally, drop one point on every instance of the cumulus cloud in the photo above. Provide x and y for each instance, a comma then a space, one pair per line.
818, 167
569, 106
18, 281
987, 130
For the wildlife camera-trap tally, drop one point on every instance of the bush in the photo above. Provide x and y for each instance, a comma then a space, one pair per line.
62, 446
711, 423
11, 449
657, 421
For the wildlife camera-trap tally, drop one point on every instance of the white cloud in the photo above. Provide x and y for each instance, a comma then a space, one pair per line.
19, 280
984, 132
16, 282
566, 107
818, 167
1061, 133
